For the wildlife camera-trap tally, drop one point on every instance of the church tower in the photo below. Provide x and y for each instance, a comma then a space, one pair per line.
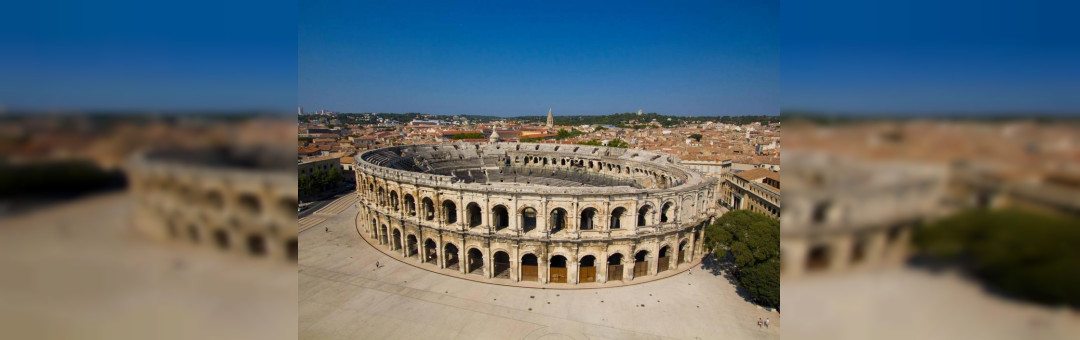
551, 119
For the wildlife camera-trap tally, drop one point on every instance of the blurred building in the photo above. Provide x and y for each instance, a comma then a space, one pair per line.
842, 214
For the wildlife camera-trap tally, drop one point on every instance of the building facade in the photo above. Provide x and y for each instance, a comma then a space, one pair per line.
548, 213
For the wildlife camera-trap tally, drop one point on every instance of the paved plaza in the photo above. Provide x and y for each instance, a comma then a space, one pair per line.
343, 296
77, 270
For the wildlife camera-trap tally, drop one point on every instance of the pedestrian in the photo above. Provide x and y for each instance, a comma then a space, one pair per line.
376, 264
691, 271
759, 322
766, 322
328, 229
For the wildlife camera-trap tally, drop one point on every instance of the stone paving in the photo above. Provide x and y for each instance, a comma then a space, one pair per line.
343, 296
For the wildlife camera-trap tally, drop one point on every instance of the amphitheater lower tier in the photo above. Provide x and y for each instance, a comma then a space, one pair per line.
527, 259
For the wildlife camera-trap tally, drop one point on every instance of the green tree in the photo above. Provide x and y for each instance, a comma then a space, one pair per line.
753, 240
306, 186
1024, 254
696, 137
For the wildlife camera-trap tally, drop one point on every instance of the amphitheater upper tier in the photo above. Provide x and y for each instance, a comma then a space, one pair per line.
534, 212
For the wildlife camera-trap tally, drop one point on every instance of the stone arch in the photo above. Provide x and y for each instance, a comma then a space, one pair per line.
501, 264
528, 219
818, 257
587, 219
587, 269
643, 215
394, 200
666, 212
249, 203
450, 256
557, 219
475, 262
617, 214
256, 244
500, 217
473, 215
410, 205
449, 212
557, 269
428, 208
431, 251
411, 245
529, 267
396, 243
221, 239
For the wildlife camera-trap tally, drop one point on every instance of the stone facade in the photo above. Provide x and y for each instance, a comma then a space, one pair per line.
230, 208
513, 211
842, 214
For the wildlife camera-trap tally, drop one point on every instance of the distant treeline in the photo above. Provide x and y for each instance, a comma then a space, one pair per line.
622, 120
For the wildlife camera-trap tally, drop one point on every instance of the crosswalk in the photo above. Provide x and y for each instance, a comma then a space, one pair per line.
334, 208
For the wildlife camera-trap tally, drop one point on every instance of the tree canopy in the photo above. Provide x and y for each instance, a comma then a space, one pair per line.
469, 135
753, 240
1024, 254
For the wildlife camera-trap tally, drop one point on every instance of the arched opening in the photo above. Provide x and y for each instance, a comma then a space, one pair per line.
293, 249
558, 220
528, 219
410, 246
393, 200
664, 260
588, 217
221, 238
664, 212
616, 218
502, 265
214, 200
820, 213
431, 252
817, 259
641, 264
249, 204
557, 269
396, 244
615, 267
530, 270
256, 244
381, 197
410, 205
682, 252
451, 256
642, 215
476, 262
473, 214
501, 216
858, 250
449, 212
193, 233
429, 209
383, 234
587, 269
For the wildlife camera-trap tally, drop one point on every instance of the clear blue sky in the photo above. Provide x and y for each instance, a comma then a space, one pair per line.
927, 56
148, 55
520, 58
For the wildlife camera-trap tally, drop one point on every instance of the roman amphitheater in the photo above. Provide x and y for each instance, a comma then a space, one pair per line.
237, 201
517, 213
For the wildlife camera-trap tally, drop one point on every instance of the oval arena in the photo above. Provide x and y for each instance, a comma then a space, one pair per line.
541, 213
